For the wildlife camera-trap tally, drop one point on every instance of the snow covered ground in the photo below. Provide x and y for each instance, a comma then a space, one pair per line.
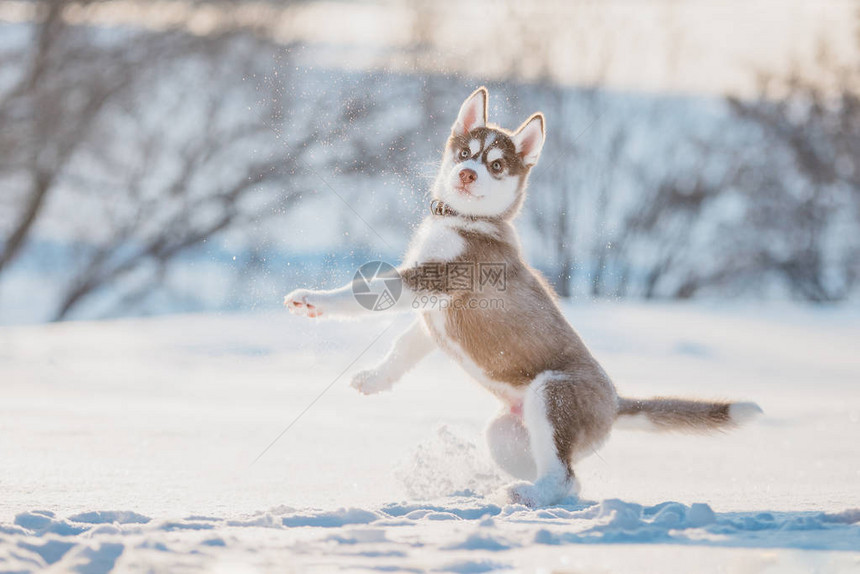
127, 446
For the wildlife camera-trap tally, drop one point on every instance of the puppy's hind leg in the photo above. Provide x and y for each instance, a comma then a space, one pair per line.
554, 475
508, 441
566, 414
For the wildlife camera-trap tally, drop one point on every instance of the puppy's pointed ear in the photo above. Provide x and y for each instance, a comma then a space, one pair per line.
529, 139
473, 112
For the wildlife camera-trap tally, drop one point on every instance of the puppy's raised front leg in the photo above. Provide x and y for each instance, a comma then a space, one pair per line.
342, 302
333, 303
338, 303
412, 346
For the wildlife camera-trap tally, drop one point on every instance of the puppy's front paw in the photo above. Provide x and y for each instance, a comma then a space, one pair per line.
303, 302
370, 382
524, 493
549, 489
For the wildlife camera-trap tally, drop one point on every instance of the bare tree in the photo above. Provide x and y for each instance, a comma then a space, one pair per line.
803, 183
155, 135
48, 111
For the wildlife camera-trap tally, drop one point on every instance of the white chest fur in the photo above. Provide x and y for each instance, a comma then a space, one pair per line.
437, 239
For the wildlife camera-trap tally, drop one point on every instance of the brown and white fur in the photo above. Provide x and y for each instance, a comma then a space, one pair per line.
559, 404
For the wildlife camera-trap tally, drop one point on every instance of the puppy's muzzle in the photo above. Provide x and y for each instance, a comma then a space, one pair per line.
468, 176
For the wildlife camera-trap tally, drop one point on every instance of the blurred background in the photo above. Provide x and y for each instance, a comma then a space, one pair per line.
182, 156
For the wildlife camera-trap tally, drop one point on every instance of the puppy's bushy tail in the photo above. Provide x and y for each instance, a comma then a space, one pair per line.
669, 414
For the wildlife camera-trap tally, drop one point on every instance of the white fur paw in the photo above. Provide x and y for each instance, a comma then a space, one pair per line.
303, 302
508, 441
524, 493
545, 491
370, 382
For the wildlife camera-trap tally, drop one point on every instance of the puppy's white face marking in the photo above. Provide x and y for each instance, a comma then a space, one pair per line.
484, 169
491, 193
494, 154
474, 146
484, 197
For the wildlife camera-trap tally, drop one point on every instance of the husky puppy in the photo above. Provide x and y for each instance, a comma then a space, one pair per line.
559, 405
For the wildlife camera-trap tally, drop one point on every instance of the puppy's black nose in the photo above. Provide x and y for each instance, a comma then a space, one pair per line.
468, 175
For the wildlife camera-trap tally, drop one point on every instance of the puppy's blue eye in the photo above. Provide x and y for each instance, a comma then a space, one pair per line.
497, 166
465, 152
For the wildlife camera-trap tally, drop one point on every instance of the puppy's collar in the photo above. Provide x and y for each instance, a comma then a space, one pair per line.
442, 209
